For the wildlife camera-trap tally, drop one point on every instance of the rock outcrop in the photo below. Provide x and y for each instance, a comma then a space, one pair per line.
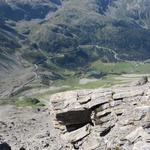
104, 119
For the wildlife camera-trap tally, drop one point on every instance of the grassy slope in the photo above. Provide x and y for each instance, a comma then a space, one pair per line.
112, 71
121, 67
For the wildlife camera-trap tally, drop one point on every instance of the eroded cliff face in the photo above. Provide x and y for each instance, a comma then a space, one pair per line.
114, 118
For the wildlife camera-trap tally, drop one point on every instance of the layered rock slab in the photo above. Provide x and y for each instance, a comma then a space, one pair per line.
114, 116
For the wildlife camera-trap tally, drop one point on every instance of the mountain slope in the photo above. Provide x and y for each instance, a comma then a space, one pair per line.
94, 23
8, 46
27, 9
53, 35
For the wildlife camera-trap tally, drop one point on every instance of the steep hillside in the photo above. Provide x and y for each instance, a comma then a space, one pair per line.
122, 26
8, 46
27, 9
18, 72
52, 35
66, 26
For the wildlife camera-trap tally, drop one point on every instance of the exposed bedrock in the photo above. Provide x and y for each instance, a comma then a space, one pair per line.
110, 118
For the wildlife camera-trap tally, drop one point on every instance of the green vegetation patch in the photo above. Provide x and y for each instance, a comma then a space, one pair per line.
25, 101
121, 67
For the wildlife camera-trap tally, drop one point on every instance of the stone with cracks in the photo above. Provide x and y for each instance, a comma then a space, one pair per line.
78, 134
103, 119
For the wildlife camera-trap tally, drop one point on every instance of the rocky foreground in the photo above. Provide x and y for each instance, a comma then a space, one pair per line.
27, 129
116, 118
104, 119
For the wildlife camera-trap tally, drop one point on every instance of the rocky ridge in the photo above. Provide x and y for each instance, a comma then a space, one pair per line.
114, 118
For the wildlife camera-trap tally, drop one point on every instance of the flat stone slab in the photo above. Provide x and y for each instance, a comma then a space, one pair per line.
78, 134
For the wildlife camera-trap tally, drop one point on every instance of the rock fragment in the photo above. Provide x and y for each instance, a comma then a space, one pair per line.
78, 134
